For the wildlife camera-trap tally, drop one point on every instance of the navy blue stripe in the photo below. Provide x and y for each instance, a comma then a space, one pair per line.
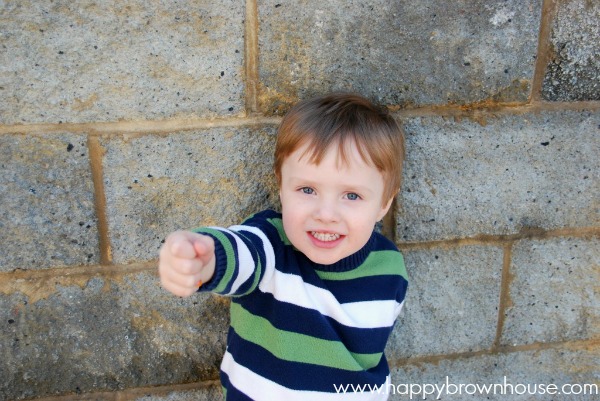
260, 221
382, 243
301, 376
291, 261
370, 288
401, 294
297, 319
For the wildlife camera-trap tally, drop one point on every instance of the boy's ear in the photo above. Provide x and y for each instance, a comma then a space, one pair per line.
385, 208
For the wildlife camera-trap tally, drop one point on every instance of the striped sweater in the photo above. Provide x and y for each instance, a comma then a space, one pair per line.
300, 330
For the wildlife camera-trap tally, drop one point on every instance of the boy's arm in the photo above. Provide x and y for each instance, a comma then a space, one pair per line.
229, 261
186, 261
244, 254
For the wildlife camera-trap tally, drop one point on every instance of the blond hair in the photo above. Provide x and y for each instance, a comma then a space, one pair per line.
336, 119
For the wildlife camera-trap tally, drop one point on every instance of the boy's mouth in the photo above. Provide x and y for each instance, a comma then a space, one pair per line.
325, 237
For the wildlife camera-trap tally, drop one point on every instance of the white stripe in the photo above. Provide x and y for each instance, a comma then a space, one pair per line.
269, 266
246, 265
261, 389
367, 314
292, 289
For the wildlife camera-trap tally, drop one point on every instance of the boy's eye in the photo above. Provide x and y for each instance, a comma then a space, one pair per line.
307, 190
352, 196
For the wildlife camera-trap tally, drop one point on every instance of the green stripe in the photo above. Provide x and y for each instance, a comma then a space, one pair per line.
298, 347
230, 254
278, 224
378, 263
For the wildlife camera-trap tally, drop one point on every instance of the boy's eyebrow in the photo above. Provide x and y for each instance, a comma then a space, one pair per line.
347, 187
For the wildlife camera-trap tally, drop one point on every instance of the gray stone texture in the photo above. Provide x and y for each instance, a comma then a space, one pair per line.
111, 60
47, 215
98, 334
554, 291
560, 366
157, 184
398, 52
573, 71
208, 393
512, 172
452, 302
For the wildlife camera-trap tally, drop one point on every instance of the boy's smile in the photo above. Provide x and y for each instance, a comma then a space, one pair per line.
330, 209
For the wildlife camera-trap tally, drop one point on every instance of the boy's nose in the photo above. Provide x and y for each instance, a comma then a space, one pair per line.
326, 211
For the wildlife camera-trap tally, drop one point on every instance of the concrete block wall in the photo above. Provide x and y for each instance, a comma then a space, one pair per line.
121, 121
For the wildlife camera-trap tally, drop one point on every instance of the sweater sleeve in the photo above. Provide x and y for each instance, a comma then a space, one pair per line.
244, 255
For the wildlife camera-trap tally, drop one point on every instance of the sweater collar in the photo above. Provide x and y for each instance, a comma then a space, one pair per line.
349, 262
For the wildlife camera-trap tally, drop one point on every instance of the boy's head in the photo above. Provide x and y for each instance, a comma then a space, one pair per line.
338, 120
338, 162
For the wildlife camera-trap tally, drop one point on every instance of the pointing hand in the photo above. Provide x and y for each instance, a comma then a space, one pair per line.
187, 260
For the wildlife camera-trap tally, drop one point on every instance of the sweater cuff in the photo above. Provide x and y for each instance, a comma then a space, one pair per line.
220, 265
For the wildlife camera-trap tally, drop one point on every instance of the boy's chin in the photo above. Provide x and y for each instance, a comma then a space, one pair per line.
324, 259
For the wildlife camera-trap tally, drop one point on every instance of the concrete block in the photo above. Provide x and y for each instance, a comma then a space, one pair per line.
397, 52
157, 184
91, 334
47, 215
513, 376
452, 302
574, 66
106, 61
208, 393
554, 291
499, 175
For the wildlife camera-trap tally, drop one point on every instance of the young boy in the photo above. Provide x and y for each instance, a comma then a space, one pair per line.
315, 291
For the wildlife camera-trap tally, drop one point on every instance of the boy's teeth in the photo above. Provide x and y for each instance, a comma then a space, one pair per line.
324, 236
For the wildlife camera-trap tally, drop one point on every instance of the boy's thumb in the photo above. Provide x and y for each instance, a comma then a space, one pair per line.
203, 246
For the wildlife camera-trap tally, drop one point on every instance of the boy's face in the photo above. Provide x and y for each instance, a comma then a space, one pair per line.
329, 210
